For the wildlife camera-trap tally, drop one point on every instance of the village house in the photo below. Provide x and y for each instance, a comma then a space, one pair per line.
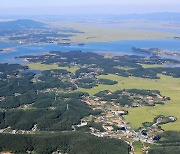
17, 94
108, 128
103, 102
149, 98
2, 98
90, 102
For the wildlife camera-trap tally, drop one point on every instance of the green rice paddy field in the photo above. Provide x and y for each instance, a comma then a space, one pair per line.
168, 86
43, 67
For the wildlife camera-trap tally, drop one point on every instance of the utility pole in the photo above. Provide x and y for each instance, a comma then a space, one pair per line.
8, 78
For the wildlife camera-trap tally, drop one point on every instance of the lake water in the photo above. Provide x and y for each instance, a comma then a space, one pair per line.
122, 47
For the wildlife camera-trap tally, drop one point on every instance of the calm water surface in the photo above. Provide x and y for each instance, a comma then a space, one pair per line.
123, 47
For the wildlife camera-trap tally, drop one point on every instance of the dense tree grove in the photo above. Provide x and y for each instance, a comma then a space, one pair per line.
71, 143
22, 82
25, 103
169, 143
48, 111
107, 82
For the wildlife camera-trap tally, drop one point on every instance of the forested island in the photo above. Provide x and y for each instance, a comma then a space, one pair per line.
156, 52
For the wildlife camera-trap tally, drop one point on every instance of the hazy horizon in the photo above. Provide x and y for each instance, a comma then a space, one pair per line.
70, 7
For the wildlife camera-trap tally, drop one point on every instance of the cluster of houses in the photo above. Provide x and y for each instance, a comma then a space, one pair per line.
115, 126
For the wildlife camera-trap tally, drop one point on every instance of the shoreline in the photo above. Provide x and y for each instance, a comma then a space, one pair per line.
7, 49
108, 50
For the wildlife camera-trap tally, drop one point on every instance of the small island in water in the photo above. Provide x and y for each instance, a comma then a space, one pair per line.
156, 52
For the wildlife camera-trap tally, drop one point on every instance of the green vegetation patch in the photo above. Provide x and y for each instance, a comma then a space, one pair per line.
169, 143
138, 147
168, 86
71, 143
43, 67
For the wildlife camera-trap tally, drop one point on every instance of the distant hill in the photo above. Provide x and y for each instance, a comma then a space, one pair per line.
21, 24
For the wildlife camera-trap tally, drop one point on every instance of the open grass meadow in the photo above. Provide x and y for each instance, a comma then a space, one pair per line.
138, 147
151, 66
43, 67
168, 86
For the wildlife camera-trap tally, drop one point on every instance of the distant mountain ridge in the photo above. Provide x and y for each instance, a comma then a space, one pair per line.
21, 24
